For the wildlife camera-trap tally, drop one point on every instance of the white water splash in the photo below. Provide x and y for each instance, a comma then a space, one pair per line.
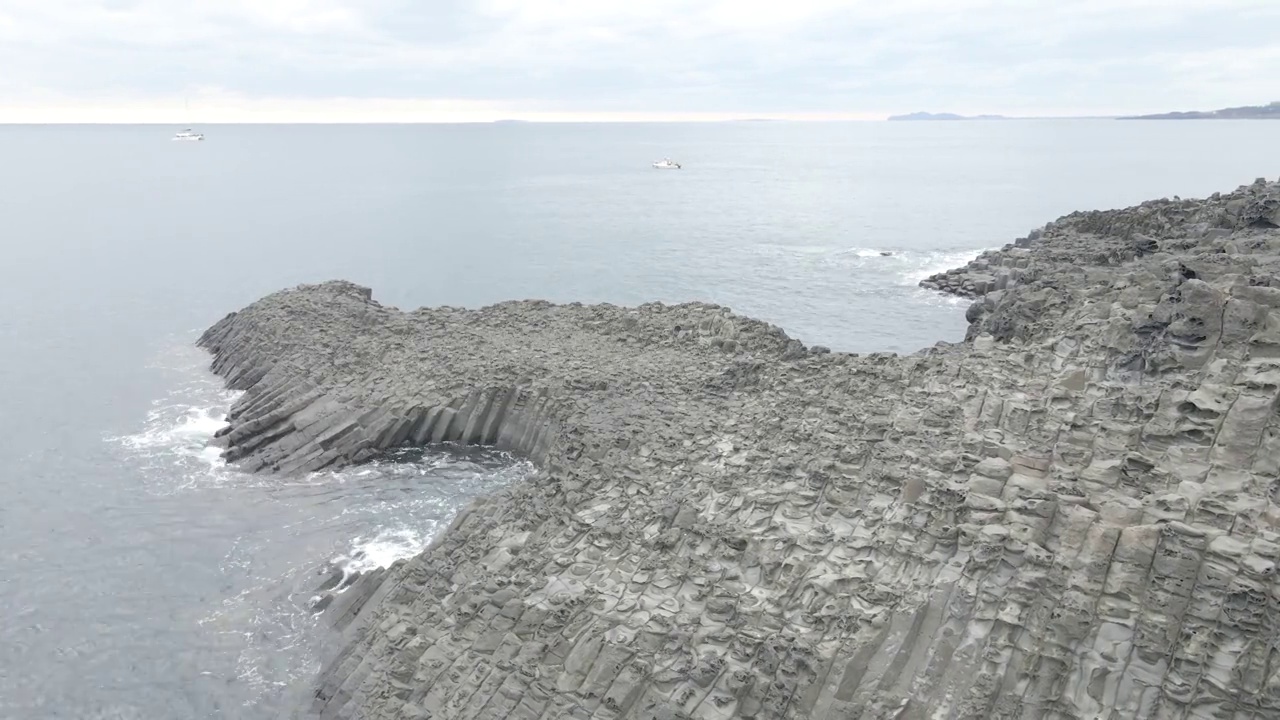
883, 266
937, 262
172, 448
383, 549
181, 429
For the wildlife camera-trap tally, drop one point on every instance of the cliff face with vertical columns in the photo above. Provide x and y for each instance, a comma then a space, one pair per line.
1072, 514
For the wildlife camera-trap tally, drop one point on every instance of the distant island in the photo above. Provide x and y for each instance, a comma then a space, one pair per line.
944, 116
1248, 112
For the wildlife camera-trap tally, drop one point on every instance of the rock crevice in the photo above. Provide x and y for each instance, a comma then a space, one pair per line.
1071, 514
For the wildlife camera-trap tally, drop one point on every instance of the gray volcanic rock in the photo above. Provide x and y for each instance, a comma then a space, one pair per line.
1072, 514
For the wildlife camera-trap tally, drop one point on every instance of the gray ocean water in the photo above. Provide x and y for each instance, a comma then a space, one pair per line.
141, 579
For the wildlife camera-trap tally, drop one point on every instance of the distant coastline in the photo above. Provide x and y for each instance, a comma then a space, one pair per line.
1247, 112
1270, 111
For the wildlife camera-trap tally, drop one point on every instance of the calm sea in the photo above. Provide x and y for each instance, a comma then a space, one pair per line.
140, 579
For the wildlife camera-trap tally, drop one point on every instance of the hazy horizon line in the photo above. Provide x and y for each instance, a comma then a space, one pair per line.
558, 121
231, 109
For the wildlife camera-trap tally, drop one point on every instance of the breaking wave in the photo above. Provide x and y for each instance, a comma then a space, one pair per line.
871, 267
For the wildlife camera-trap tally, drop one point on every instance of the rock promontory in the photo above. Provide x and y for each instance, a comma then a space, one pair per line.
1073, 513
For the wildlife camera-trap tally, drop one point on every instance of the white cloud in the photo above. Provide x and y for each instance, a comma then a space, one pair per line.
413, 58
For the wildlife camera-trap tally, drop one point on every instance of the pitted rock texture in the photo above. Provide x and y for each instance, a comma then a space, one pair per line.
1072, 514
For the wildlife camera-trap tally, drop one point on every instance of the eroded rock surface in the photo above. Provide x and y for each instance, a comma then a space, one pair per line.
1072, 514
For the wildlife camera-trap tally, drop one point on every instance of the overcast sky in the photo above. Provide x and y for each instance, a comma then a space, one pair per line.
139, 60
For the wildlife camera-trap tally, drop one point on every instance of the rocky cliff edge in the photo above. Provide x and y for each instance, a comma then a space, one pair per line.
1072, 514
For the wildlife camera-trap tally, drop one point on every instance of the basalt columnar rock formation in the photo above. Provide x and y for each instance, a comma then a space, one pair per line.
1071, 514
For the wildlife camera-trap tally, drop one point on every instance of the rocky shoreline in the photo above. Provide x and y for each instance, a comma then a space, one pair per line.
1071, 514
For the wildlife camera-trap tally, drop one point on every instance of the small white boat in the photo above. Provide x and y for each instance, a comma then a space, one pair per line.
667, 164
188, 135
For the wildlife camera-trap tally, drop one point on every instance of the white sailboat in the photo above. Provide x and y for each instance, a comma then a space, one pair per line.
187, 134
